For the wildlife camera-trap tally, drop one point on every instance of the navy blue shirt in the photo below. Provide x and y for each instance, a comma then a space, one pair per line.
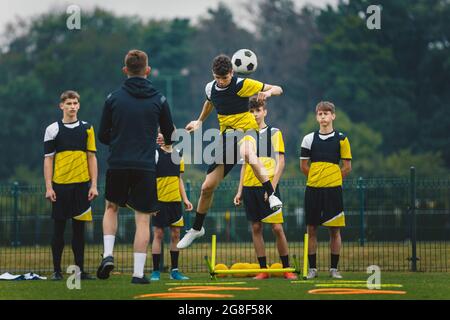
129, 124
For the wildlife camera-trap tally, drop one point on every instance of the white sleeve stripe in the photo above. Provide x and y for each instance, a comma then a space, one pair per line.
208, 89
305, 158
49, 154
239, 80
307, 141
51, 132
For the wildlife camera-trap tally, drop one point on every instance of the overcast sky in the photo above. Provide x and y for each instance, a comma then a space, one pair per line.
10, 9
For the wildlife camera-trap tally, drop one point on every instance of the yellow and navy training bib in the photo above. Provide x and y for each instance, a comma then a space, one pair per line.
325, 151
266, 150
168, 175
231, 103
69, 142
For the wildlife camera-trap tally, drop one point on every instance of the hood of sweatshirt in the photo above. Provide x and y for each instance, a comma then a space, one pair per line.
139, 87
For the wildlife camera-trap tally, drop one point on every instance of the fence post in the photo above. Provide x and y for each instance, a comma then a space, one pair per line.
361, 210
412, 208
15, 194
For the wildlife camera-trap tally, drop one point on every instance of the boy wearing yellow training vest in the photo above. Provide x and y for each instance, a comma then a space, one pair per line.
71, 183
325, 149
270, 151
171, 192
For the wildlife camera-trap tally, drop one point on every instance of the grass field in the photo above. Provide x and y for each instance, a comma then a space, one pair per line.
389, 256
416, 285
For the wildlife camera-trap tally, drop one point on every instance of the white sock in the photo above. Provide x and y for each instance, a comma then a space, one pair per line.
139, 263
108, 244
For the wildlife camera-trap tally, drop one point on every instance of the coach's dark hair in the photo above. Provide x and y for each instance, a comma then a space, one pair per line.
222, 65
136, 62
253, 103
69, 94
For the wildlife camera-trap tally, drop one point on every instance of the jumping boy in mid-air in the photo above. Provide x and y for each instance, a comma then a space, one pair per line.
229, 95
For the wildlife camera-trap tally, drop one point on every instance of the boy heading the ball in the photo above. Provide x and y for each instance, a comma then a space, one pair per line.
229, 95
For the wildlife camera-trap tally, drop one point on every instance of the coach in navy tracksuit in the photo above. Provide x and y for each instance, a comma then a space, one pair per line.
129, 125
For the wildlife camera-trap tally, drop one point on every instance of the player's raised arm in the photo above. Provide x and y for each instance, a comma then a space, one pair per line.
206, 111
268, 91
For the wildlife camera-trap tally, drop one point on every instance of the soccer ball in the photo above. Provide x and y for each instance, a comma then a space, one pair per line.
244, 61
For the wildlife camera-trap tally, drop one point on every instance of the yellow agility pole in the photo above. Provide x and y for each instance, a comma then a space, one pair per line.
213, 251
305, 256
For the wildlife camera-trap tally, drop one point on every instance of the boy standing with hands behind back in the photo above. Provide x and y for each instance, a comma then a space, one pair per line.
325, 148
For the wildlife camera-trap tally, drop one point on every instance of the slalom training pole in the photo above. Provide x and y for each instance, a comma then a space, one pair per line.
305, 256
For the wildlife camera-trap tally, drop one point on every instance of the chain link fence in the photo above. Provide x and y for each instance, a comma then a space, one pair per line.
399, 224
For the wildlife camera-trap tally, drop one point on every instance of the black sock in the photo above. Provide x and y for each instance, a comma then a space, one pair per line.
334, 261
174, 259
78, 243
262, 262
268, 187
58, 243
156, 261
312, 261
198, 222
285, 261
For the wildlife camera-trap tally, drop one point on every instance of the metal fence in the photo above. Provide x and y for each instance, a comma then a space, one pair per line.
399, 224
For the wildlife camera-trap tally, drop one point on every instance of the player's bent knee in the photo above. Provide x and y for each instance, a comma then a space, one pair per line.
208, 188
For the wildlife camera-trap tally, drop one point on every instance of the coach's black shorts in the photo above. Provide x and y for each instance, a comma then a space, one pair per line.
132, 188
229, 150
71, 201
324, 206
257, 209
170, 215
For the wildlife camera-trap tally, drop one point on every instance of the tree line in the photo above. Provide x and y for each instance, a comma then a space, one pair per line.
390, 86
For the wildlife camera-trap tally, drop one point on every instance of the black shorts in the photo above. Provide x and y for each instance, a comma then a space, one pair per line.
257, 209
169, 215
229, 150
324, 206
132, 188
71, 200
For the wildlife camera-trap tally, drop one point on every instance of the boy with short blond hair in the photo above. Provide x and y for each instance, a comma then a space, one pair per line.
325, 149
70, 171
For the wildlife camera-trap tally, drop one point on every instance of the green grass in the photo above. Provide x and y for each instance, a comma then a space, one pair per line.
389, 256
417, 286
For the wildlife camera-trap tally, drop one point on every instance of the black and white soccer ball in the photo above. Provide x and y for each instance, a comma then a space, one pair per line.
244, 61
